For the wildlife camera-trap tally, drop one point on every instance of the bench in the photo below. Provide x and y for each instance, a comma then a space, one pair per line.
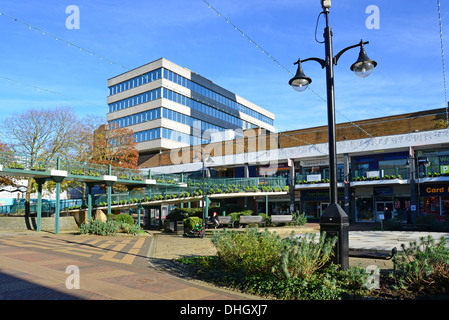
251, 219
284, 218
223, 220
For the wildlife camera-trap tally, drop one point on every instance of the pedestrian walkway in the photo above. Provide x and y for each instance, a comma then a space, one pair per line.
387, 240
33, 265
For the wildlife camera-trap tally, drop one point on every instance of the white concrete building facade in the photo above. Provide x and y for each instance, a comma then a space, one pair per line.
168, 106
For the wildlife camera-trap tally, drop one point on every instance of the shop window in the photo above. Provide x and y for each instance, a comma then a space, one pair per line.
364, 208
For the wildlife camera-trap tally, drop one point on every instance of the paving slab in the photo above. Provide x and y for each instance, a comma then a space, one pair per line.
43, 266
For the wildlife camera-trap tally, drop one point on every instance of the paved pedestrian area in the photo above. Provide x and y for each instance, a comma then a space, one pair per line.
41, 265
387, 240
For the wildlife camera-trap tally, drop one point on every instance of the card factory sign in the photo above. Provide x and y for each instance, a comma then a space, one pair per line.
435, 190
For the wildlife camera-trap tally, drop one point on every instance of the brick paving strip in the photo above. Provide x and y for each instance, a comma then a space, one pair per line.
33, 266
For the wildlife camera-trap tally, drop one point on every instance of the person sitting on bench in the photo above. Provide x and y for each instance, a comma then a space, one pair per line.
214, 220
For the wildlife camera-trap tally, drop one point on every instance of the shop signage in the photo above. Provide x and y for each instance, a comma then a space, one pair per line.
444, 160
373, 174
408, 204
435, 190
313, 177
383, 191
319, 195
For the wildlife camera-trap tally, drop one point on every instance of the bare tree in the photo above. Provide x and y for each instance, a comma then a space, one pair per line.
42, 134
6, 180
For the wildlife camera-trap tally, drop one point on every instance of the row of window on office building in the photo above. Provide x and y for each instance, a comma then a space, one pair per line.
158, 133
171, 76
167, 114
175, 97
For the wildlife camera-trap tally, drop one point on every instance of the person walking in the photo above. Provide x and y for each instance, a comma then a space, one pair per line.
388, 214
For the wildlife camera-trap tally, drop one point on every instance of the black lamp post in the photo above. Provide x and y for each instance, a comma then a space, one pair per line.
209, 161
334, 220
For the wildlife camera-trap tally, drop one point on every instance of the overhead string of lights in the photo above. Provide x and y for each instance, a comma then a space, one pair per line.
30, 27
280, 64
71, 44
444, 71
49, 91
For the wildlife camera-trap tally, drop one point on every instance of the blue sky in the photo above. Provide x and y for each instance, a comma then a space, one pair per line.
408, 78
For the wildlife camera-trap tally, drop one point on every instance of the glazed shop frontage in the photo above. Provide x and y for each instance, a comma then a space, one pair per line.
315, 201
434, 199
370, 202
363, 203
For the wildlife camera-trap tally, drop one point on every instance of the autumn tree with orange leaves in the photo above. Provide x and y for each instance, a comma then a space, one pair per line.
115, 146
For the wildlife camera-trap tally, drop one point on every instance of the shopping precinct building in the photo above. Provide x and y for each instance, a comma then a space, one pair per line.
400, 162
168, 106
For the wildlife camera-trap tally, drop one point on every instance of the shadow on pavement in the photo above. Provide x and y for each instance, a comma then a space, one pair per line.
14, 288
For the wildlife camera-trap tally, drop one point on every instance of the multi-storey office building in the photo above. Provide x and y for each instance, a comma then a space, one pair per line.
399, 162
168, 106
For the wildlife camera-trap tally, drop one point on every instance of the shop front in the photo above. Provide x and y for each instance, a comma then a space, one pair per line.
274, 204
314, 202
435, 200
372, 202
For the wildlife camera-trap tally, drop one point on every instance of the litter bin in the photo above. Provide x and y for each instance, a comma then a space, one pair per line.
179, 227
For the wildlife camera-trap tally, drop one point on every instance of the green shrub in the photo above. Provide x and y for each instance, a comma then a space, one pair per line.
304, 257
125, 218
250, 251
98, 227
236, 215
300, 218
264, 264
179, 214
423, 264
265, 217
191, 222
130, 228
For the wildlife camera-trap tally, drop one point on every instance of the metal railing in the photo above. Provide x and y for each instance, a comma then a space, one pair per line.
16, 162
382, 174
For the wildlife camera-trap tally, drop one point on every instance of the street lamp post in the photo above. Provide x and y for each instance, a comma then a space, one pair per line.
208, 161
334, 220
413, 164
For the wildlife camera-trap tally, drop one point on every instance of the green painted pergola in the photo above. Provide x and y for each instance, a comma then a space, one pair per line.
13, 164
16, 165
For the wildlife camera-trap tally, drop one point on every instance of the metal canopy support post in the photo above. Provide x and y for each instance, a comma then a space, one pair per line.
292, 186
89, 186
58, 176
57, 206
206, 209
266, 205
139, 209
413, 214
109, 181
346, 184
39, 182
